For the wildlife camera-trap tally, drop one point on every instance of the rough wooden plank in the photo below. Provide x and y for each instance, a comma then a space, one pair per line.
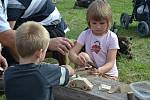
65, 93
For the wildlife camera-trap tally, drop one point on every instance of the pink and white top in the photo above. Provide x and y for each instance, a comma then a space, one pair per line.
97, 47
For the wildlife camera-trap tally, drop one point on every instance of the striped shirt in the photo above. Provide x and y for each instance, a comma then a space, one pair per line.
42, 11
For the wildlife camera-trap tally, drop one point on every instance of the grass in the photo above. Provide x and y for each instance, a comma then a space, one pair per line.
133, 70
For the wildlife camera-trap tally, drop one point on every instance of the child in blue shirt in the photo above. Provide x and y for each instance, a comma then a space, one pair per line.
30, 80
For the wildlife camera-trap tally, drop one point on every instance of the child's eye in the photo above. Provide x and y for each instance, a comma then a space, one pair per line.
93, 22
101, 23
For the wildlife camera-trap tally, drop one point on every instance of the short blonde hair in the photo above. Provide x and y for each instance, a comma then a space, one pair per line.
31, 36
99, 10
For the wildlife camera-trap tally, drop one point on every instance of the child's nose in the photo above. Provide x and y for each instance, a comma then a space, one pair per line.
98, 26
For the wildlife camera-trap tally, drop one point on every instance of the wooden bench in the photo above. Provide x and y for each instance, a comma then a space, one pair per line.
66, 93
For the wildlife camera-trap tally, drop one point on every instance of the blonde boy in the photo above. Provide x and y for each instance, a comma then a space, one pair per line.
30, 80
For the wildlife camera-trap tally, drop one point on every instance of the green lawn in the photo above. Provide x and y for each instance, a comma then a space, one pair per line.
133, 70
137, 69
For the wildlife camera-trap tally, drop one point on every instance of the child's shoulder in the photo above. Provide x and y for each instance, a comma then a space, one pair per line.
86, 32
112, 34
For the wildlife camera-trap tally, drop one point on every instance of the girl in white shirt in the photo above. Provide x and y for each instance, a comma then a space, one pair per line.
101, 44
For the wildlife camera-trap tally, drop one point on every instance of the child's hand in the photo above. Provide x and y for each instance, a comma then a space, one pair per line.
95, 71
81, 60
70, 69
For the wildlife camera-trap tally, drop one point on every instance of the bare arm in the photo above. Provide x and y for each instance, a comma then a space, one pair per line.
111, 57
7, 39
12, 24
74, 54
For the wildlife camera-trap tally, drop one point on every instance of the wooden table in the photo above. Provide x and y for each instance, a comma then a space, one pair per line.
66, 93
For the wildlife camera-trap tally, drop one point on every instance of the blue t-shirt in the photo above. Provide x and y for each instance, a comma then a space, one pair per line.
33, 81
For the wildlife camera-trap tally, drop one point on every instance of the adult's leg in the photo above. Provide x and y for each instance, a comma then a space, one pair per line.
10, 60
58, 31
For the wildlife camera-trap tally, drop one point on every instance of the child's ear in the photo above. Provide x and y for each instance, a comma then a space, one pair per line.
38, 53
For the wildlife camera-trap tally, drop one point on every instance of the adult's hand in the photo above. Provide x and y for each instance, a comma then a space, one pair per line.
7, 39
3, 63
60, 44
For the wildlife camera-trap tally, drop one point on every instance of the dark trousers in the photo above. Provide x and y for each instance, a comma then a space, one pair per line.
57, 31
10, 60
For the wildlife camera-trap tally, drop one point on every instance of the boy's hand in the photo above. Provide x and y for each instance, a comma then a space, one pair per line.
70, 69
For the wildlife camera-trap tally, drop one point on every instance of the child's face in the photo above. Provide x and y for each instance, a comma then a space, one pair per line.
99, 27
